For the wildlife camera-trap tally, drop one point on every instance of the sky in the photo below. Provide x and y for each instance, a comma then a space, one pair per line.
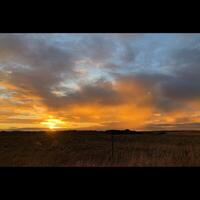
99, 81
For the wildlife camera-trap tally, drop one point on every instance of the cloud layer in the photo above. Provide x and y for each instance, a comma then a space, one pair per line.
101, 81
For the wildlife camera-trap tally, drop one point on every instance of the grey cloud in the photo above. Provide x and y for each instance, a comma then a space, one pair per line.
100, 92
184, 86
176, 126
46, 63
167, 95
50, 65
181, 89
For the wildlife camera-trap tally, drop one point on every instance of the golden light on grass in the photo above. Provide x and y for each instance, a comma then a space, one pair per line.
53, 123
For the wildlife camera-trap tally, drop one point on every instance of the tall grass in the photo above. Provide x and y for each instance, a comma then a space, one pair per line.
76, 149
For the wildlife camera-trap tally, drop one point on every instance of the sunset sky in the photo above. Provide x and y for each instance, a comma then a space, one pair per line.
99, 81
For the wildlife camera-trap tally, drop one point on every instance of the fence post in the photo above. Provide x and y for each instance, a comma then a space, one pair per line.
112, 145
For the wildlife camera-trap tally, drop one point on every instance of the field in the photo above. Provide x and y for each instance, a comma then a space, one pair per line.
94, 149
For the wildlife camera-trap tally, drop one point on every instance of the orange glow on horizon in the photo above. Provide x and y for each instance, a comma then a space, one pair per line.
53, 123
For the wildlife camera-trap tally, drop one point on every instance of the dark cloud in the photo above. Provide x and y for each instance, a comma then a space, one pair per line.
169, 92
42, 65
100, 92
174, 126
184, 85
181, 89
10, 43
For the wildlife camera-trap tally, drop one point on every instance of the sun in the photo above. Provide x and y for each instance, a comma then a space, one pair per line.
53, 123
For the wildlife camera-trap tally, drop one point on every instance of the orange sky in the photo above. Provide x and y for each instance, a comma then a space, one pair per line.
135, 110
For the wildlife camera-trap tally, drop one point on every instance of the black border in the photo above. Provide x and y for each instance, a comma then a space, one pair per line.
109, 176
113, 180
102, 19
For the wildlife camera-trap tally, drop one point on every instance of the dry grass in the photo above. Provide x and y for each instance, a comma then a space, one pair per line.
94, 149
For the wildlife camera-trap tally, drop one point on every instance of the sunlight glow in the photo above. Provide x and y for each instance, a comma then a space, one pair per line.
53, 124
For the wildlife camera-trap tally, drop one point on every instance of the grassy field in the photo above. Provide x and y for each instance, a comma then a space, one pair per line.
94, 149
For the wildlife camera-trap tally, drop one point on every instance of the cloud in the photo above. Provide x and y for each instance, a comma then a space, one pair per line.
184, 86
46, 78
180, 126
35, 66
38, 66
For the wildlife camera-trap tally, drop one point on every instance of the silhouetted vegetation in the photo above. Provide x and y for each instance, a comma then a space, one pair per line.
127, 131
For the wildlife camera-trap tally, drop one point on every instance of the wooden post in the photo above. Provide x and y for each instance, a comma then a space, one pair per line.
112, 145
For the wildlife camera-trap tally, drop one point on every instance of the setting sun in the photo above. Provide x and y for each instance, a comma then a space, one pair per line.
52, 123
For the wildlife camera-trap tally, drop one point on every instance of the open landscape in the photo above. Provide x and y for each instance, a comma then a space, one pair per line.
60, 92
94, 148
